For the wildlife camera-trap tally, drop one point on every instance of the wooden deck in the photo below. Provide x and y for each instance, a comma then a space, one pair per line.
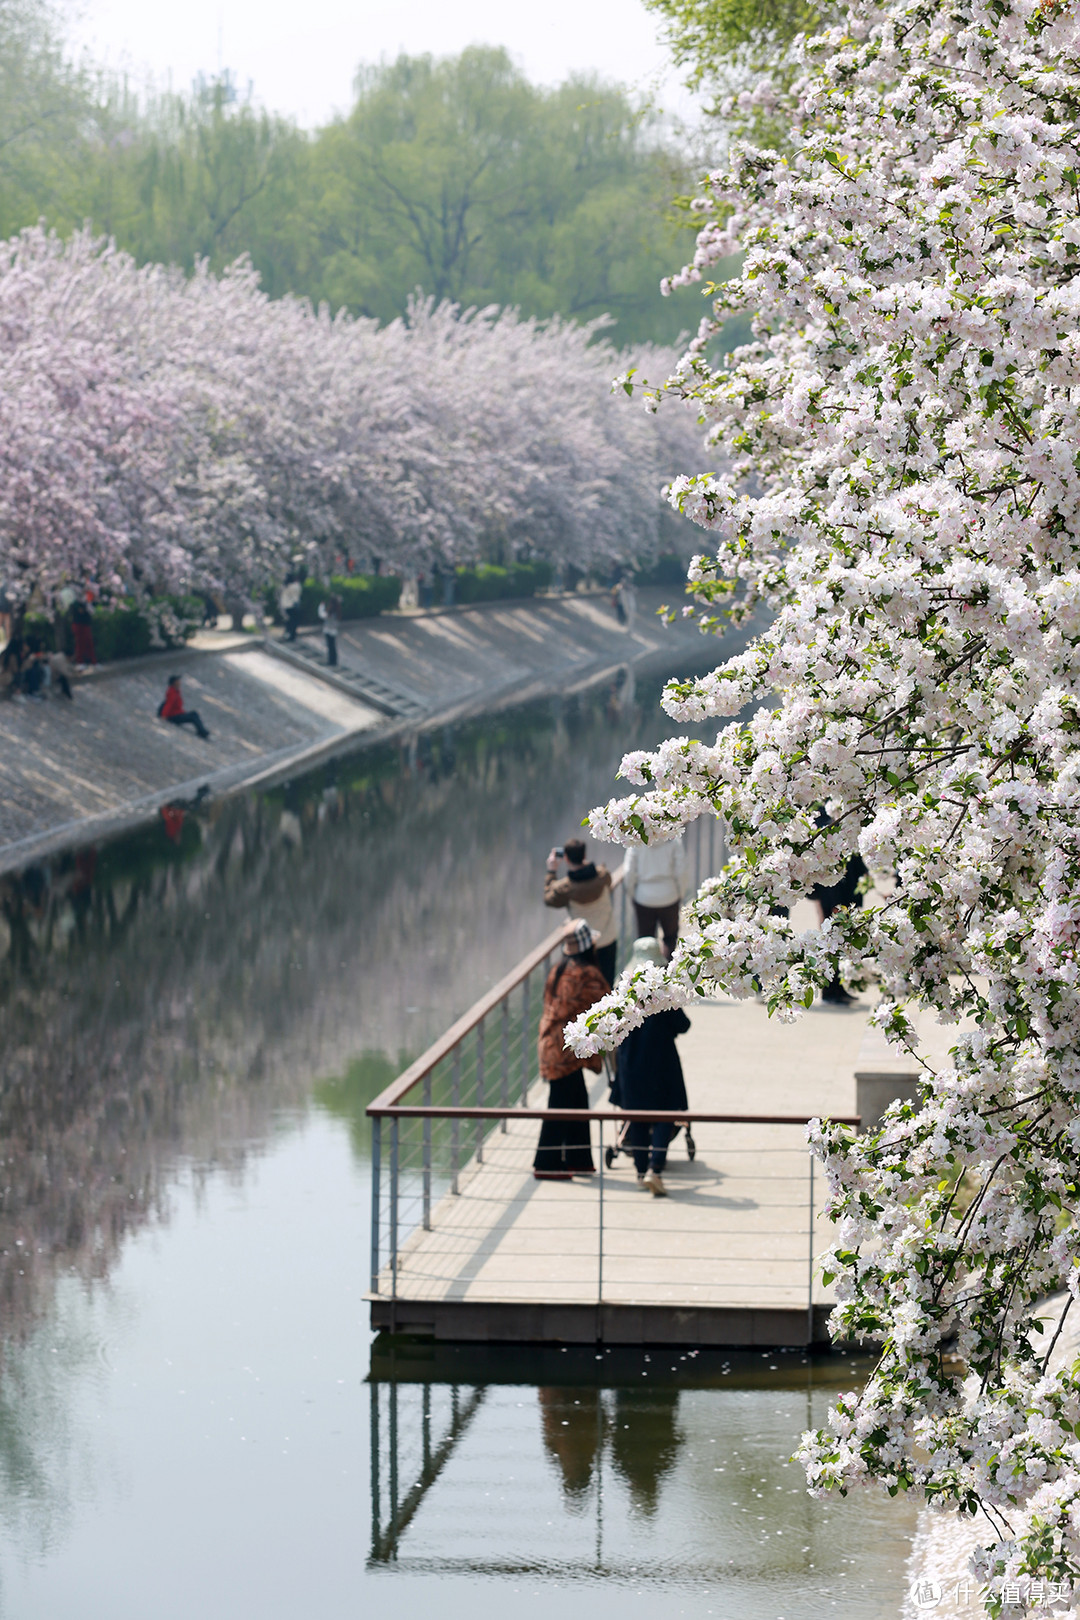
723, 1260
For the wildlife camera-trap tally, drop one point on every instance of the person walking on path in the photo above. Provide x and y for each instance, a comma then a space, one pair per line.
291, 592
585, 892
330, 614
82, 633
656, 882
172, 709
648, 1075
574, 983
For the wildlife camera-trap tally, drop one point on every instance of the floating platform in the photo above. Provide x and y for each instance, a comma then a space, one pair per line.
728, 1260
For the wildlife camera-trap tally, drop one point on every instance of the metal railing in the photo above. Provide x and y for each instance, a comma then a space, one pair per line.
457, 1108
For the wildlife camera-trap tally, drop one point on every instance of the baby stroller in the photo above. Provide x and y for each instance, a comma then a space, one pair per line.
612, 1153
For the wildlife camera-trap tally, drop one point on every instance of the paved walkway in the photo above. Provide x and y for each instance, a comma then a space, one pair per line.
484, 657
735, 1228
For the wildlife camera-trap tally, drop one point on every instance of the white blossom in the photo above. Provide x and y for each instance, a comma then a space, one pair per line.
910, 412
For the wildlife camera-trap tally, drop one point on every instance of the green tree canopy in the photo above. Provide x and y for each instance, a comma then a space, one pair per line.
463, 178
709, 36
456, 176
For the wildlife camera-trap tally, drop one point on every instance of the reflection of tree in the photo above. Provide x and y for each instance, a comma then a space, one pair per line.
165, 1001
347, 1095
646, 1442
571, 1427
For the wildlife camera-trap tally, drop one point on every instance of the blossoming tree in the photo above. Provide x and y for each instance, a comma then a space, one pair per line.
160, 432
911, 411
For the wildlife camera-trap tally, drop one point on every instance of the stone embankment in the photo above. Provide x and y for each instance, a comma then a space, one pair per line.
73, 772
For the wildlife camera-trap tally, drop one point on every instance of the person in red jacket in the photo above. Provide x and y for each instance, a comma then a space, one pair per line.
172, 709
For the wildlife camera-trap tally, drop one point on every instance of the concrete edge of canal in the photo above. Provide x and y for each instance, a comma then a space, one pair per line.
104, 765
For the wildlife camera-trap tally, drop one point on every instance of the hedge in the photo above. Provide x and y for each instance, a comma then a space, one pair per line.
488, 582
119, 632
362, 596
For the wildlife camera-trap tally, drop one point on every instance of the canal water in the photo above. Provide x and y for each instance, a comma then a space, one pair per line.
194, 1419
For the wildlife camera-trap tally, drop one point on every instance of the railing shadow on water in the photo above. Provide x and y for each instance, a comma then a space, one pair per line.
425, 1398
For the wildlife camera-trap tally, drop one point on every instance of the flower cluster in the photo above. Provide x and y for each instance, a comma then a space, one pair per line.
910, 412
158, 431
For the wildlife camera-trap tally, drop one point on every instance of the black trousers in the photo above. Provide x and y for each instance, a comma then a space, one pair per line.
190, 717
649, 1143
605, 960
292, 619
666, 916
565, 1144
331, 649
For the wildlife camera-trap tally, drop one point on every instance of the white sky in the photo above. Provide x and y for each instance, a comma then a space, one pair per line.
301, 58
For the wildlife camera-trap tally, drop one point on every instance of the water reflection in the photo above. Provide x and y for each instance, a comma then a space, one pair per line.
634, 1468
194, 1020
639, 1429
571, 1423
645, 1443
167, 995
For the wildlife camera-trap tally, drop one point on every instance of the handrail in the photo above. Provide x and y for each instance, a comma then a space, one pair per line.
469, 1019
650, 1115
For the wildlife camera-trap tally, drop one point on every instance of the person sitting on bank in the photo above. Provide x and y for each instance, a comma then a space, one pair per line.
574, 983
586, 892
648, 1075
656, 882
171, 708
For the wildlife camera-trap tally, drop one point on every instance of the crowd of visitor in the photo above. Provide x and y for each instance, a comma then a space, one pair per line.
647, 1075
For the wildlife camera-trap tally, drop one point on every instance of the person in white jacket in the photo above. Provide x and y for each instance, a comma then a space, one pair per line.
656, 882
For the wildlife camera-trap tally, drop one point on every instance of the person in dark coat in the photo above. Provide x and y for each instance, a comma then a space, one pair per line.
573, 985
648, 1074
830, 897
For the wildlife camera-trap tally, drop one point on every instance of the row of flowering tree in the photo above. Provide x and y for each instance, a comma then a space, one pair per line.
911, 410
159, 432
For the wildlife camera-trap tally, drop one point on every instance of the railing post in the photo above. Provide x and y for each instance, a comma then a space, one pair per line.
623, 949
376, 1211
505, 1059
480, 1090
376, 1472
600, 1255
392, 1528
697, 854
427, 1155
525, 1043
394, 1129
455, 1124
810, 1265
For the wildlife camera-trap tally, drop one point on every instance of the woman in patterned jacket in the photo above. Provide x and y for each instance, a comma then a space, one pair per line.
573, 984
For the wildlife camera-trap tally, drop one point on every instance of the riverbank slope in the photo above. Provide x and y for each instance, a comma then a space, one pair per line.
85, 770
